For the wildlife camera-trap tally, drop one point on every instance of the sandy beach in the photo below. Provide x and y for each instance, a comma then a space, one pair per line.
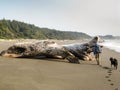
55, 74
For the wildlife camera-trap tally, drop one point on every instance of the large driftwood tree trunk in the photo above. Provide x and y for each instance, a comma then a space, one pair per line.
70, 52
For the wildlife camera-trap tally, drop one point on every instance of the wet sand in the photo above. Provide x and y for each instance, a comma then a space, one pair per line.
55, 74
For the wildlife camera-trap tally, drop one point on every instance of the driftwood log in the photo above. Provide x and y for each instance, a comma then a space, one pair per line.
72, 52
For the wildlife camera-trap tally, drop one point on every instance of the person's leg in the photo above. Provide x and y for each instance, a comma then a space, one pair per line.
97, 58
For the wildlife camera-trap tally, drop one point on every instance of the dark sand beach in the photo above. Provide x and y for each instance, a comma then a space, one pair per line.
54, 74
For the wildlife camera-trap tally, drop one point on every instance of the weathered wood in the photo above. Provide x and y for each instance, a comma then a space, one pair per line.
72, 52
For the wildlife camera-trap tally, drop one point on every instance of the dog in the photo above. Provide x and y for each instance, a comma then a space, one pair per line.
114, 62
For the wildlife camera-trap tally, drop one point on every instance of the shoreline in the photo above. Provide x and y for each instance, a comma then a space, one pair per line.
54, 74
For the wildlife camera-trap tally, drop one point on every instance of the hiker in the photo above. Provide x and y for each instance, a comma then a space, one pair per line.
97, 49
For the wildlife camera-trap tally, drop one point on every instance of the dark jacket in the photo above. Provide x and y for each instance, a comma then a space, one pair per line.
97, 49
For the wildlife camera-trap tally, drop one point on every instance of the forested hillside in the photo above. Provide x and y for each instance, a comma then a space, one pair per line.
109, 37
16, 30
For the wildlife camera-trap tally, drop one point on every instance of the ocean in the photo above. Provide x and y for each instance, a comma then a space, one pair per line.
112, 44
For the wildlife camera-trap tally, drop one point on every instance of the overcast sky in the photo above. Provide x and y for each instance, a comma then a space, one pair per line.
94, 17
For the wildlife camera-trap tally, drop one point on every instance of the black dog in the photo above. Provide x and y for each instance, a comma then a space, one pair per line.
114, 62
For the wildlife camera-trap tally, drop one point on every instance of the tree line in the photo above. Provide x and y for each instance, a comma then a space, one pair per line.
12, 29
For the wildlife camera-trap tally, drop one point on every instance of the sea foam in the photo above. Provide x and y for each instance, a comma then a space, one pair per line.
112, 44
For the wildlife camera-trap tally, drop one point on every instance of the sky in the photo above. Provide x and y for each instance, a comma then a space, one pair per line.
93, 17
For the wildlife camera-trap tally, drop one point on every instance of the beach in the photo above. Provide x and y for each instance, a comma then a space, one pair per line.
57, 74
